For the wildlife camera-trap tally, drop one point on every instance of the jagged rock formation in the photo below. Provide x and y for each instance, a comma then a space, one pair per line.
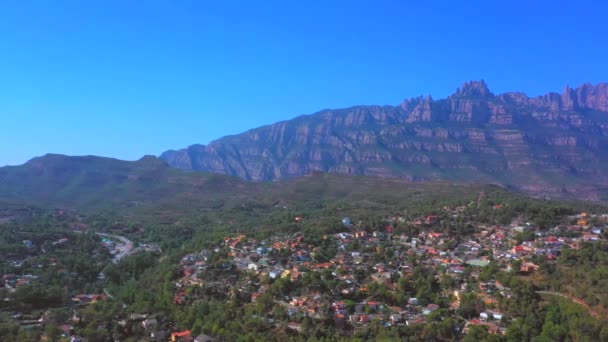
553, 145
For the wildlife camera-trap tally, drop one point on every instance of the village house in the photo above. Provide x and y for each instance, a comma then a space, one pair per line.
182, 336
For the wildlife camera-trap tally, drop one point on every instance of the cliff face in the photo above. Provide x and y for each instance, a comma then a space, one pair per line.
553, 145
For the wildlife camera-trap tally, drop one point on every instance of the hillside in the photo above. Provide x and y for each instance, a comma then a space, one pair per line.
151, 192
91, 182
549, 146
186, 238
149, 184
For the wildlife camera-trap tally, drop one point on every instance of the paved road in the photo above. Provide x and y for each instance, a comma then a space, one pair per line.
108, 293
125, 247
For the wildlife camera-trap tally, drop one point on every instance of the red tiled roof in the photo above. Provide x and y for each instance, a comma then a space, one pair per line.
182, 333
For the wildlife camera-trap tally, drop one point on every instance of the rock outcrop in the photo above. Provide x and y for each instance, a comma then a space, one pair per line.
554, 145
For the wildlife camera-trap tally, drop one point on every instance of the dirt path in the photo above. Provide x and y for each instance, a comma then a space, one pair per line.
592, 312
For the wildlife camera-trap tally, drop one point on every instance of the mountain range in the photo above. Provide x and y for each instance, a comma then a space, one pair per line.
150, 187
555, 145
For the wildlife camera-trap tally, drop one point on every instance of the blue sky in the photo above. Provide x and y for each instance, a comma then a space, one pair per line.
126, 78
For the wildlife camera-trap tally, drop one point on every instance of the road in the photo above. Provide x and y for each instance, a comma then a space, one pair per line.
125, 247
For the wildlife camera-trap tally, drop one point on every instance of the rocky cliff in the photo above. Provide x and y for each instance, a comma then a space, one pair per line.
554, 145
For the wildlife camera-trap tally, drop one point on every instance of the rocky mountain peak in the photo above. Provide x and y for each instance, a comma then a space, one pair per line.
569, 99
473, 89
593, 97
550, 145
423, 110
585, 97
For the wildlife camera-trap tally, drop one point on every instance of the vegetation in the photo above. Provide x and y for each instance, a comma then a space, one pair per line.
185, 222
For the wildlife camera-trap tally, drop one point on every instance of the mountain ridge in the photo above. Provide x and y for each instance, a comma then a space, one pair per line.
551, 145
101, 182
150, 188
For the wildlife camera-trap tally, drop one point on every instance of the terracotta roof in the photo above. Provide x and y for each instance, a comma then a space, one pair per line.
182, 333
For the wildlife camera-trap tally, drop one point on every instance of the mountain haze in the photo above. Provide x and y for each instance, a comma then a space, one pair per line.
554, 145
150, 186
92, 182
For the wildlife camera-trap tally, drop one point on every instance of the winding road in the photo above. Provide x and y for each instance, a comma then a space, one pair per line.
125, 248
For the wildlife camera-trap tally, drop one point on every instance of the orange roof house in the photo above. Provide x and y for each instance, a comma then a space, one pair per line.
180, 336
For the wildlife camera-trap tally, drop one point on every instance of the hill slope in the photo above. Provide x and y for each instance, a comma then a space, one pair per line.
97, 182
555, 145
149, 184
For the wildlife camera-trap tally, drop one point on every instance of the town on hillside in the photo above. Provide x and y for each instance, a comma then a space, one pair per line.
398, 274
361, 277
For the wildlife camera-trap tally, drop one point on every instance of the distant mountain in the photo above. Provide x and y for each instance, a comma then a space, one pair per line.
554, 145
149, 185
97, 182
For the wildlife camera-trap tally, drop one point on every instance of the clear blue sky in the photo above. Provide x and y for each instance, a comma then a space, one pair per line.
126, 78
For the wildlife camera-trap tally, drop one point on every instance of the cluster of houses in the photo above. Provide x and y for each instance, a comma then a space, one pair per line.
292, 257
13, 282
359, 262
